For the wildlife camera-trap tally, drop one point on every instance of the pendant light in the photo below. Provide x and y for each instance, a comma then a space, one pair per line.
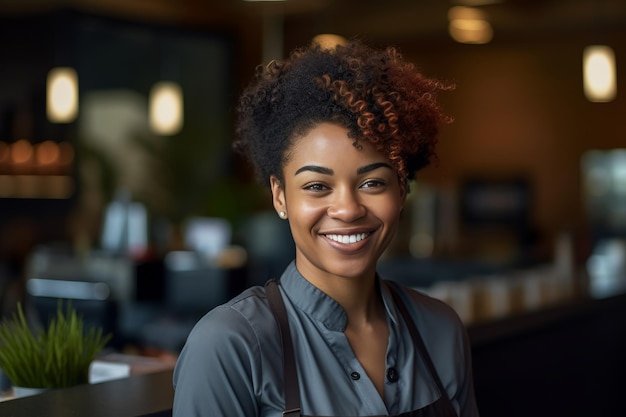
62, 95
166, 108
599, 79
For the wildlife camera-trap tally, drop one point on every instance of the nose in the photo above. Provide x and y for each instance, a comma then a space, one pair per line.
346, 206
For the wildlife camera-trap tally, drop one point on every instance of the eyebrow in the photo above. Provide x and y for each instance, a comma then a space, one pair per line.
327, 171
372, 167
315, 168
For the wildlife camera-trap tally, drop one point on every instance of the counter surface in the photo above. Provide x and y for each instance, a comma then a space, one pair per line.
140, 395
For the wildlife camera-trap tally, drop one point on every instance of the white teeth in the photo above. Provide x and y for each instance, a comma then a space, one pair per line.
347, 238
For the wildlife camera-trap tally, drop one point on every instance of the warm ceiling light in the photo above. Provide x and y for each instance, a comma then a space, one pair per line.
62, 95
599, 80
329, 40
470, 31
166, 108
469, 25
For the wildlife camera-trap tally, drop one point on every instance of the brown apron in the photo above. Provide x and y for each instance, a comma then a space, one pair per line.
440, 408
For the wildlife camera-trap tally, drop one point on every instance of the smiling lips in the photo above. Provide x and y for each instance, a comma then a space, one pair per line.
348, 238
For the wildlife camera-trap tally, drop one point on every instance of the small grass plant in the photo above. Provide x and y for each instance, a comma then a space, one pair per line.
56, 356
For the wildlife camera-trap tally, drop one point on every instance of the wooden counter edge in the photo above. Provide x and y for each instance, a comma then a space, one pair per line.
138, 395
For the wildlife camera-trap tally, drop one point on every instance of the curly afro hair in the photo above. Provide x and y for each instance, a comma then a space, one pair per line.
377, 95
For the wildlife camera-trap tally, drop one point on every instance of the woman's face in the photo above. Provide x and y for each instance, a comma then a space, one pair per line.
343, 204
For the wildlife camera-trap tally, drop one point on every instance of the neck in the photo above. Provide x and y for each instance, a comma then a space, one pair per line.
358, 296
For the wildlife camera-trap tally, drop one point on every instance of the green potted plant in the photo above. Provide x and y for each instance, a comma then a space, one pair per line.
56, 356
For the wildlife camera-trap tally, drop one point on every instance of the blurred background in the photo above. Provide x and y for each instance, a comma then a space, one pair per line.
119, 190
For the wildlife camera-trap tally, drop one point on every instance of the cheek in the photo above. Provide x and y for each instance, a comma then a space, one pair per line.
387, 205
305, 212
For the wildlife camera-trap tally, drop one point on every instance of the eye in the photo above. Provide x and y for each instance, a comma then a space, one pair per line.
315, 187
373, 184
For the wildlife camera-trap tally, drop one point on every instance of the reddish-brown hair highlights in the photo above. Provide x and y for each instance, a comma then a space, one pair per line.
377, 95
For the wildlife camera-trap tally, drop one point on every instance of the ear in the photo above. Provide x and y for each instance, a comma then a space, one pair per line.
278, 195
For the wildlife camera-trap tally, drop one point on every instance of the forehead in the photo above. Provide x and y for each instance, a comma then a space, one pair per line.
329, 144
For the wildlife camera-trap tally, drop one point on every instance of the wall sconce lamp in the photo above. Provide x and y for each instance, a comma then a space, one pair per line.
599, 80
62, 95
166, 108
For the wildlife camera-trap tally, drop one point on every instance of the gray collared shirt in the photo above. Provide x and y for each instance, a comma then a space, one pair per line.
231, 364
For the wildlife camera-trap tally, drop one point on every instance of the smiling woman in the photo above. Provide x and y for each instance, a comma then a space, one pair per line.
336, 134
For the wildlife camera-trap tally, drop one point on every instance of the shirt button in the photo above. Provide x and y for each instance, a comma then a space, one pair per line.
392, 375
355, 375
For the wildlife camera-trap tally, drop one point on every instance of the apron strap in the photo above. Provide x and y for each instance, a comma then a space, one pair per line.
290, 374
417, 338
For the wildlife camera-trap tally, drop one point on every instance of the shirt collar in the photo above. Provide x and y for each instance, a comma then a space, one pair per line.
318, 305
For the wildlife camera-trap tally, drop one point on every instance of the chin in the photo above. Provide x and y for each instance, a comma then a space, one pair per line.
354, 269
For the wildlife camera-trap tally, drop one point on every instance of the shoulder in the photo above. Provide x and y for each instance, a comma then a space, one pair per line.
241, 332
244, 318
238, 334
